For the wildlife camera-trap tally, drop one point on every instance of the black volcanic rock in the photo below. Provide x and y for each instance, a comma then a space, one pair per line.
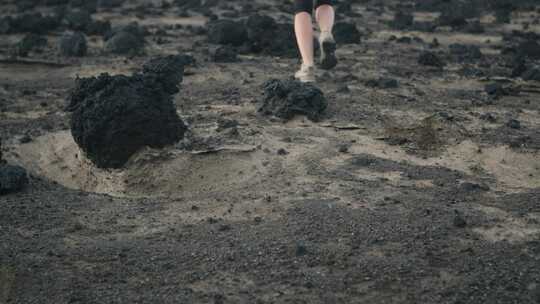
287, 98
115, 116
12, 178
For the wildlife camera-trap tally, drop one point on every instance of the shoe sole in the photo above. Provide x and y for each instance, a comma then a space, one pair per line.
305, 80
328, 55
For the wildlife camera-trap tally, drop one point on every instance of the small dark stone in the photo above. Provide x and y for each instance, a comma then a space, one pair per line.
459, 221
514, 124
223, 53
465, 52
73, 44
343, 88
2, 161
25, 139
12, 178
301, 249
496, 89
404, 39
430, 59
224, 227
488, 117
282, 151
382, 83
343, 148
473, 187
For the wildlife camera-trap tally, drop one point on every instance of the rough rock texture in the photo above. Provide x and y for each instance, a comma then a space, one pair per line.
29, 43
465, 52
223, 53
346, 33
115, 116
258, 34
382, 83
533, 73
30, 23
226, 32
287, 98
402, 20
125, 40
12, 178
430, 59
267, 36
78, 19
73, 44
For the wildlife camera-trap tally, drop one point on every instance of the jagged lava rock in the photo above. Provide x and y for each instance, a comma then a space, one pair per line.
115, 116
287, 98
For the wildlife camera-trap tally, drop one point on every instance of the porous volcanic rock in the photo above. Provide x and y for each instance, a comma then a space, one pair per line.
115, 116
287, 98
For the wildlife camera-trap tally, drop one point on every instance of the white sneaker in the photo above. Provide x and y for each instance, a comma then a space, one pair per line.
328, 50
306, 73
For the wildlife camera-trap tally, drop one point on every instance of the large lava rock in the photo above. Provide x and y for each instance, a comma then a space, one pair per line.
267, 36
287, 98
115, 116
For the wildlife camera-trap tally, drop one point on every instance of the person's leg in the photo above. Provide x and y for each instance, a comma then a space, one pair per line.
325, 15
303, 28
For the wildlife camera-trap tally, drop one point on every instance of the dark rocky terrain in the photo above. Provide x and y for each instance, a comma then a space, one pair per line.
409, 174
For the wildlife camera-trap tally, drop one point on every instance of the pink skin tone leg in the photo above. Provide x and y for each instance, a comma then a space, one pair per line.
303, 29
325, 17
